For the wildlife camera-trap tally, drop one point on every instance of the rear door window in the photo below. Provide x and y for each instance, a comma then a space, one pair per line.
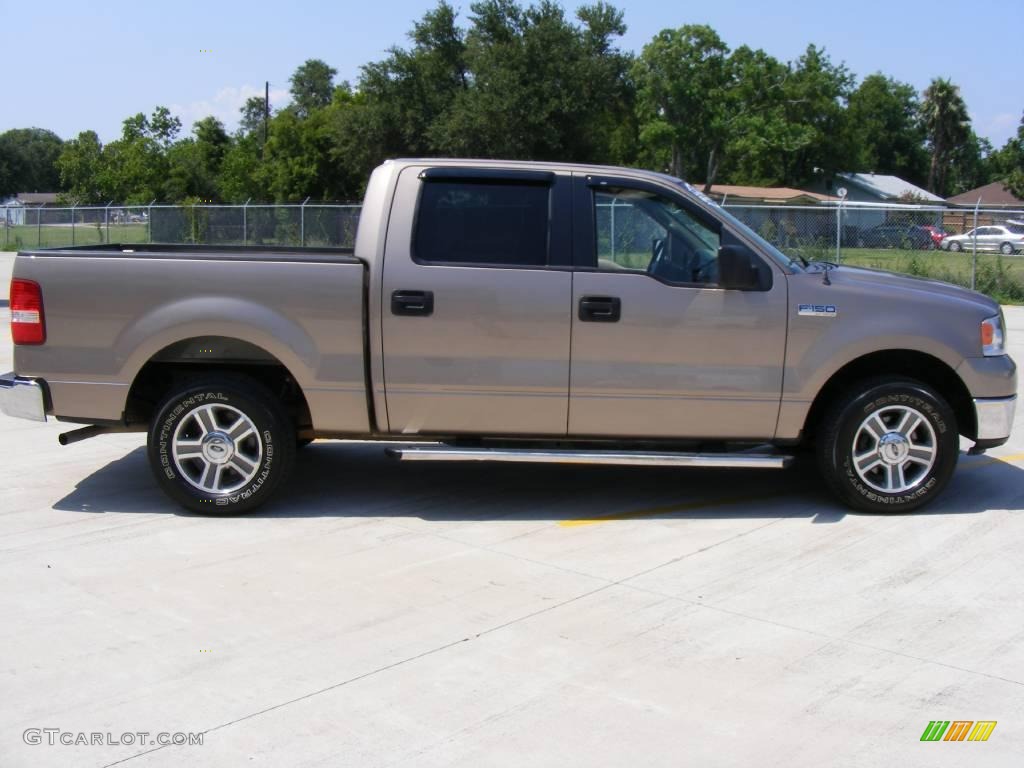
493, 224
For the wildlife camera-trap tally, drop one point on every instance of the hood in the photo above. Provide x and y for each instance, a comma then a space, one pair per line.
909, 288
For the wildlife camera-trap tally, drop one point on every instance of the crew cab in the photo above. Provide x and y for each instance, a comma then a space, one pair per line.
512, 311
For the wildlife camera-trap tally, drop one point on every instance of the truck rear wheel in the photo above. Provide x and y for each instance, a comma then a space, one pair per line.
888, 445
221, 445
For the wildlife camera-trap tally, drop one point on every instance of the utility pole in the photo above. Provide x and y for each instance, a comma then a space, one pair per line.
266, 115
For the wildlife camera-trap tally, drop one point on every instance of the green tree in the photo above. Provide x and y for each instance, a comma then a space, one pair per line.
240, 178
540, 86
293, 159
1007, 164
28, 161
969, 164
134, 168
311, 87
947, 127
406, 93
814, 103
79, 164
164, 127
194, 163
681, 79
885, 133
253, 114
704, 111
758, 135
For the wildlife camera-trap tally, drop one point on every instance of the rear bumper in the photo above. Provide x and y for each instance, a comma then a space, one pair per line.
995, 418
22, 398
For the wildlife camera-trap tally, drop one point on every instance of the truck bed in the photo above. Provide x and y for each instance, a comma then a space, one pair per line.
216, 252
111, 310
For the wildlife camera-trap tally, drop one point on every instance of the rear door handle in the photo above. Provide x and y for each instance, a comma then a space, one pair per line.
600, 309
416, 303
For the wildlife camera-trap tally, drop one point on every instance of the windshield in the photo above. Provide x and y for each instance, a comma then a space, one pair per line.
771, 250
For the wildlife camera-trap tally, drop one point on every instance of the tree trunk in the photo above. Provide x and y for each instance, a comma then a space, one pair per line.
712, 171
677, 161
935, 174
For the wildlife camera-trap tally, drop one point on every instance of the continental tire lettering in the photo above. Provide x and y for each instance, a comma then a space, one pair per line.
164, 441
871, 495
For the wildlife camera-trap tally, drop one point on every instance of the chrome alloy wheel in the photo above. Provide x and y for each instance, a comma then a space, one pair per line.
217, 449
894, 449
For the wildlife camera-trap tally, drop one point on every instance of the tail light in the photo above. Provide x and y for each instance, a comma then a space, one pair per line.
28, 326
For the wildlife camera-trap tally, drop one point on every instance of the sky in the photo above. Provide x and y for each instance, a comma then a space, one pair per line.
75, 66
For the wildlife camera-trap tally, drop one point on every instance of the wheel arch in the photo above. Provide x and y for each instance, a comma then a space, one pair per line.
899, 363
173, 364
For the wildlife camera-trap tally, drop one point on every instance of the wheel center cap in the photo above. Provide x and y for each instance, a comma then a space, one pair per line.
218, 448
893, 448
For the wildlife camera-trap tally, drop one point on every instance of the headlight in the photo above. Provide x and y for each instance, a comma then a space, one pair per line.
993, 340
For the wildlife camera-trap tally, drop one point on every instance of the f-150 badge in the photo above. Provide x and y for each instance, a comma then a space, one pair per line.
817, 310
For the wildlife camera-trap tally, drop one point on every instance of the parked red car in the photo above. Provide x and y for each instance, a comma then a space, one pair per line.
938, 234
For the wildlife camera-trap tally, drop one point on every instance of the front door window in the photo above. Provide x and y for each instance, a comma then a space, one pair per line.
639, 231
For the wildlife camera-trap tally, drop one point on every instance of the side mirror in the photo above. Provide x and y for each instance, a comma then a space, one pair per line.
738, 268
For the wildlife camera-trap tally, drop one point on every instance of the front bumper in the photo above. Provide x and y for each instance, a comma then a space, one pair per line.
995, 418
22, 398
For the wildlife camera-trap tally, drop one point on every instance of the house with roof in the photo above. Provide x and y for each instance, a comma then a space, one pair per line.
782, 215
994, 195
724, 194
875, 188
868, 194
12, 209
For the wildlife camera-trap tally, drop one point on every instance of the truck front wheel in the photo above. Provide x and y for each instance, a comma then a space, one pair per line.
888, 445
221, 445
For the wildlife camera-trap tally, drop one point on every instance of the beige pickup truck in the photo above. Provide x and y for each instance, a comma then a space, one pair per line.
512, 311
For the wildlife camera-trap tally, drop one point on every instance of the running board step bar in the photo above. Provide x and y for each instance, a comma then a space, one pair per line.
561, 456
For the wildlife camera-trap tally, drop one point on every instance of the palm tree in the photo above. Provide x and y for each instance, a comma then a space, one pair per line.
947, 125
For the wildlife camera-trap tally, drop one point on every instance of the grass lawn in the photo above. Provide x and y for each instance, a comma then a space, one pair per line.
897, 260
1001, 277
60, 235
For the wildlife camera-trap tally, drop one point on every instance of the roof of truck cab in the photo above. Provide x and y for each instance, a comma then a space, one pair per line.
547, 165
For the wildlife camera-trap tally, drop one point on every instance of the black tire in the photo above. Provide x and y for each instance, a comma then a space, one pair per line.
955, 246
845, 430
179, 447
1006, 249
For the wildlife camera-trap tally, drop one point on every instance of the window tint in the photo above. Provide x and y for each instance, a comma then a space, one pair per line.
462, 222
640, 231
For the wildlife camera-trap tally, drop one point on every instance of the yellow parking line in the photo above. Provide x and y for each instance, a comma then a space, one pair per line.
990, 460
689, 506
667, 510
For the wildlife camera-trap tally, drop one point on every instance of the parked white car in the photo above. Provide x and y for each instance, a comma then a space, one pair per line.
1007, 239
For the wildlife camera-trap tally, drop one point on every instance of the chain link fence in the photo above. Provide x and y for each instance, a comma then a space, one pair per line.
311, 225
921, 240
982, 250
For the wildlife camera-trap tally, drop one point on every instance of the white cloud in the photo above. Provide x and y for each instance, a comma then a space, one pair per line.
224, 105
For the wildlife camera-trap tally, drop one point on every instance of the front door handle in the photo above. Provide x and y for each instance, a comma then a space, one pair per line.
416, 303
600, 309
